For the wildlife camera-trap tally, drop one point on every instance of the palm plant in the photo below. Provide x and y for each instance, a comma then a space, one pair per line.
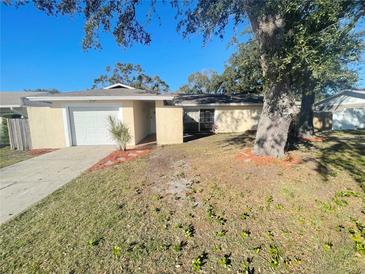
119, 132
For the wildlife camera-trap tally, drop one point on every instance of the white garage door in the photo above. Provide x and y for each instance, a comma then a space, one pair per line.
89, 126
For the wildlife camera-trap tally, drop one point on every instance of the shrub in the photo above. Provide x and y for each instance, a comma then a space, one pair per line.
119, 132
4, 133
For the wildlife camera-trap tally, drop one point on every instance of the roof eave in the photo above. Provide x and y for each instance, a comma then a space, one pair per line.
11, 106
101, 98
217, 104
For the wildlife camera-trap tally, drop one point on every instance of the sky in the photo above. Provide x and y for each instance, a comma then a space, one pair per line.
40, 51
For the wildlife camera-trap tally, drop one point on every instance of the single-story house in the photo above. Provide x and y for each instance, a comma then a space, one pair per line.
342, 111
80, 118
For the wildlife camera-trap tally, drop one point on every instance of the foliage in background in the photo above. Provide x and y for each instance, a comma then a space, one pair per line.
132, 75
49, 90
119, 132
242, 74
202, 82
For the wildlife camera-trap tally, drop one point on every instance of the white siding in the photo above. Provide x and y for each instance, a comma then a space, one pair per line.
349, 118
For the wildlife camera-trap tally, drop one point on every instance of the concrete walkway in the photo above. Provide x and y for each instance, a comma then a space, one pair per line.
27, 182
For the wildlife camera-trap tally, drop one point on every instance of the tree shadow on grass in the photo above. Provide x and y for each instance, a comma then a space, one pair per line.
243, 140
346, 152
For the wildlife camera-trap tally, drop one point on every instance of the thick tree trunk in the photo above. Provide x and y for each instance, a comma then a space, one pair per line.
275, 119
305, 121
279, 104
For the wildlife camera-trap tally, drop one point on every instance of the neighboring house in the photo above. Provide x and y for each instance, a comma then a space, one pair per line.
80, 118
342, 111
12, 105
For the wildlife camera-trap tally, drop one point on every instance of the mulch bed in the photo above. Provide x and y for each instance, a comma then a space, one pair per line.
313, 139
119, 156
41, 151
246, 155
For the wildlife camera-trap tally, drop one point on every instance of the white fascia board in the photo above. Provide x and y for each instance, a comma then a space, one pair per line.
10, 106
219, 105
101, 98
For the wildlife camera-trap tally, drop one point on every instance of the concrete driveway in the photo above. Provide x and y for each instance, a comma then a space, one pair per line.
27, 182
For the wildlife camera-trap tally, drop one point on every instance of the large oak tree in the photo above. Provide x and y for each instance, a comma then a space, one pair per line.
274, 22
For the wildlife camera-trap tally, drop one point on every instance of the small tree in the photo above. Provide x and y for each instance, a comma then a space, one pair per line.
119, 132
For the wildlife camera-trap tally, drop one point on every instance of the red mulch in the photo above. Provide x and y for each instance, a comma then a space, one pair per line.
246, 155
41, 151
119, 156
313, 139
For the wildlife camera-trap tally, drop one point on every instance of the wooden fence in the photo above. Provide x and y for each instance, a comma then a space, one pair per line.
19, 134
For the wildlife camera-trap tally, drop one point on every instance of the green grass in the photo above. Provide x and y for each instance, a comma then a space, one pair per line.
9, 157
221, 215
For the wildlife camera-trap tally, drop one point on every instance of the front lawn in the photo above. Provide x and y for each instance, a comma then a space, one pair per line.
9, 157
198, 206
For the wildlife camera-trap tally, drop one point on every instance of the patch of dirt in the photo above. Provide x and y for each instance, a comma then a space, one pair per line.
179, 186
119, 156
41, 151
246, 155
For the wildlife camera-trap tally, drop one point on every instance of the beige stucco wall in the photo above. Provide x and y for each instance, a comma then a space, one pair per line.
142, 119
128, 120
322, 120
236, 118
46, 127
169, 124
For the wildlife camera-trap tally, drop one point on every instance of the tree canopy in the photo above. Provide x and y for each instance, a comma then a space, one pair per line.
132, 75
201, 82
243, 72
49, 90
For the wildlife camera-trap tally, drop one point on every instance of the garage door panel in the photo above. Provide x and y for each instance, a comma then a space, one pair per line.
90, 125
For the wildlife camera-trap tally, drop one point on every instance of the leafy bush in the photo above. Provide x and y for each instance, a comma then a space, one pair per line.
4, 133
119, 132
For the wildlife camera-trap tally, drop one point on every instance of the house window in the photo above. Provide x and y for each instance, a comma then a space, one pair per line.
198, 120
206, 119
